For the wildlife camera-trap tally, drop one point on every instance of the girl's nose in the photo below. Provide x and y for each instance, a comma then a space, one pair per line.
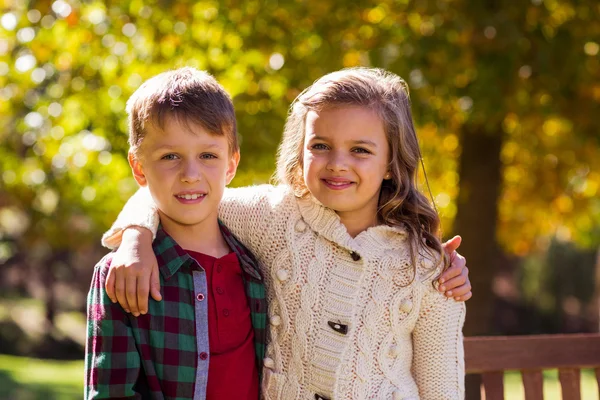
337, 162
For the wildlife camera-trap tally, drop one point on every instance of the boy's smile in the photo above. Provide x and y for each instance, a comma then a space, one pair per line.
186, 169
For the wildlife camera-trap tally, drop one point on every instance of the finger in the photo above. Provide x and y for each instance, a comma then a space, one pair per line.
109, 285
120, 292
464, 297
450, 273
143, 289
459, 291
453, 283
155, 284
131, 293
451, 245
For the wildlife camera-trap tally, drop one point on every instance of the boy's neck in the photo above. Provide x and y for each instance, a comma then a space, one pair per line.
204, 237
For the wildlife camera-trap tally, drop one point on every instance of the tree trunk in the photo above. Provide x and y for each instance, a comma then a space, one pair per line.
477, 212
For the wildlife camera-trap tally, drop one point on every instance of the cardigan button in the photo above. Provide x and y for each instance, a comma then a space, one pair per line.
300, 226
394, 351
282, 275
275, 320
338, 327
319, 397
397, 395
269, 363
355, 256
406, 306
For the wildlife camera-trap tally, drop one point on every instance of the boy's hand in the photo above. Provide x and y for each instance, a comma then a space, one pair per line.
454, 282
133, 273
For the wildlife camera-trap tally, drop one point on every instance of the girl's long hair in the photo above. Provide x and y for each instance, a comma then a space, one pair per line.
400, 202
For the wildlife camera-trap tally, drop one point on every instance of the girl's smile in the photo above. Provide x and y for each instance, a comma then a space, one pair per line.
346, 155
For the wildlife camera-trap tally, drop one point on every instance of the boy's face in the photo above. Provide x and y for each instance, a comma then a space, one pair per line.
186, 169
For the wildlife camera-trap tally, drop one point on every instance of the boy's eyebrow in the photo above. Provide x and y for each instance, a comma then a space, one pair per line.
169, 147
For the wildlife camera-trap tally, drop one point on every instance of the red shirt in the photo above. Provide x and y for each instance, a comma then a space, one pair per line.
232, 371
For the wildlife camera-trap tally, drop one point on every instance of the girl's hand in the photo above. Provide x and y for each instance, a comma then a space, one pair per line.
134, 272
454, 282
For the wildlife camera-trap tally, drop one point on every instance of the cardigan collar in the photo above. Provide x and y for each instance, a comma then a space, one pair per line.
326, 223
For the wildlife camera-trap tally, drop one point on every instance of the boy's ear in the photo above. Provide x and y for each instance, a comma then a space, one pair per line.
234, 160
136, 168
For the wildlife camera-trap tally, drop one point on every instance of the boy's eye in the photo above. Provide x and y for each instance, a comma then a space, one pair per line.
169, 156
208, 156
319, 146
361, 150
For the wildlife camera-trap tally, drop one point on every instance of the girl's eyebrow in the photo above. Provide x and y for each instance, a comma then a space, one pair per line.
367, 142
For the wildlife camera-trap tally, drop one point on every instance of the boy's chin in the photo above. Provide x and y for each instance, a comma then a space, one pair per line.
188, 220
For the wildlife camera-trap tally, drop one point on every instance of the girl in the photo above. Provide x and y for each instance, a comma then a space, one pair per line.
349, 251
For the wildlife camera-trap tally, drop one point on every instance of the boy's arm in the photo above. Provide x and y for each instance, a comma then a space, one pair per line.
112, 362
438, 354
454, 282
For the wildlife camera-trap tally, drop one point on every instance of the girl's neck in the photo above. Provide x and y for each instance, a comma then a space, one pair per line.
356, 223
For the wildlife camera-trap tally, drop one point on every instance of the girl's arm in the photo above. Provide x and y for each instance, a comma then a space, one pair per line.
134, 270
438, 354
133, 273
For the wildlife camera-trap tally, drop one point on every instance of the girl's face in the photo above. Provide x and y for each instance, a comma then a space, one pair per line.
346, 159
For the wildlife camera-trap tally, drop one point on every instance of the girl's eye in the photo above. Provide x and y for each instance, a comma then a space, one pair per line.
319, 146
208, 156
361, 150
169, 156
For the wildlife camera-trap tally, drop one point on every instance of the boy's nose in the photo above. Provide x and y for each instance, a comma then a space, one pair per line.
190, 172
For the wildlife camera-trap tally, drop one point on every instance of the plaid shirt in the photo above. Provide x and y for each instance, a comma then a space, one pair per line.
155, 356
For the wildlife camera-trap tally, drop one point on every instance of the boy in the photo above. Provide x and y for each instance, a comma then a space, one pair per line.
206, 338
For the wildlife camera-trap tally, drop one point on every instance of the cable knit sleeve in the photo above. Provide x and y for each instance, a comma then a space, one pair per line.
139, 210
248, 211
438, 356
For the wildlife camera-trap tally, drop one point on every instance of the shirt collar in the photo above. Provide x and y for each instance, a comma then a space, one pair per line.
170, 256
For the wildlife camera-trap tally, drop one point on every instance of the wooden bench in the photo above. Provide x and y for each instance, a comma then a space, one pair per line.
491, 356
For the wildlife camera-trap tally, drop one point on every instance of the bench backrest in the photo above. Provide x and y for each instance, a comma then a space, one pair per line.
491, 356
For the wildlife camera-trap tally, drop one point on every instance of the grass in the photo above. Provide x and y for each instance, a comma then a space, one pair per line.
24, 378
514, 385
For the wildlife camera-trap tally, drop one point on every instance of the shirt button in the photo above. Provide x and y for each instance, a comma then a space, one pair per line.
355, 256
275, 320
220, 290
269, 363
219, 268
282, 275
203, 356
226, 312
200, 297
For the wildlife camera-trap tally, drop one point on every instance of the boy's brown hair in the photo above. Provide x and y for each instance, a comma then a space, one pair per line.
188, 94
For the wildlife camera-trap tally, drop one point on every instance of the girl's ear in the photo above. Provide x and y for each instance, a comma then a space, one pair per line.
234, 160
136, 168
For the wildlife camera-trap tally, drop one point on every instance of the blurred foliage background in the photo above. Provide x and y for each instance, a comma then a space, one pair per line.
506, 97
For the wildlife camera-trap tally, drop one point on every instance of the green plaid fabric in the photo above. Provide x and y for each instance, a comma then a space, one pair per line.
155, 355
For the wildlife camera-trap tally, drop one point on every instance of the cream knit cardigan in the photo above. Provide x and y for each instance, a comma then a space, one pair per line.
347, 319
